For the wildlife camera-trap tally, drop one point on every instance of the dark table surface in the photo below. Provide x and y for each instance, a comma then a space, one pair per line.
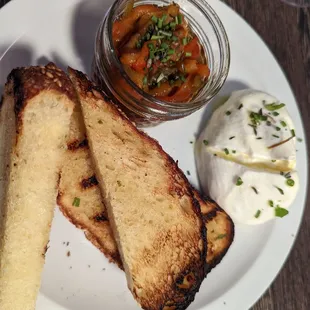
286, 30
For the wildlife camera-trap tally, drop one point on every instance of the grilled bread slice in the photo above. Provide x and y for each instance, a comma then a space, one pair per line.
34, 122
221, 230
155, 218
78, 180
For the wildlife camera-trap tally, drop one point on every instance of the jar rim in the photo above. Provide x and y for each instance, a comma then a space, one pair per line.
217, 25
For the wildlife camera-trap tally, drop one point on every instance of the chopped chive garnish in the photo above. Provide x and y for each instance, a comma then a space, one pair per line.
184, 41
280, 190
280, 143
182, 78
174, 38
191, 142
232, 137
205, 142
179, 19
234, 151
283, 123
154, 19
188, 173
275, 113
268, 123
214, 154
255, 190
239, 181
228, 113
172, 25
164, 45
240, 106
226, 151
274, 106
270, 202
278, 128
293, 132
273, 160
145, 80
151, 46
220, 236
165, 33
259, 138
287, 175
76, 202
160, 23
299, 139
171, 51
154, 37
280, 212
257, 214
188, 54
290, 182
275, 136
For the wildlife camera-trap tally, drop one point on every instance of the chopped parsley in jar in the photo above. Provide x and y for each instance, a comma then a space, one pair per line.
160, 52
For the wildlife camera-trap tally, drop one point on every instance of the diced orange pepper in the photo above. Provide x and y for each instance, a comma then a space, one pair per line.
173, 10
163, 90
183, 94
140, 64
203, 70
136, 77
129, 58
190, 66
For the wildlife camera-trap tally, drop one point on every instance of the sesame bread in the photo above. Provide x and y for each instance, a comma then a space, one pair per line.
155, 219
34, 122
78, 180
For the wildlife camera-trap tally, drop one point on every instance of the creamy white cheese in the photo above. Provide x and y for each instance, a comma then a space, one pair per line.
231, 135
252, 198
221, 159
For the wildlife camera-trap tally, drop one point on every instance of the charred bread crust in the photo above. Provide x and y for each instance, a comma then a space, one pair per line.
75, 145
213, 211
29, 82
112, 256
180, 293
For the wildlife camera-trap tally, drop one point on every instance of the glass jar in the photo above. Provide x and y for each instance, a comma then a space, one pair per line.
142, 108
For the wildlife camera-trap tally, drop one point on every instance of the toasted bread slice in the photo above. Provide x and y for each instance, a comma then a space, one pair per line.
78, 180
221, 230
156, 221
34, 125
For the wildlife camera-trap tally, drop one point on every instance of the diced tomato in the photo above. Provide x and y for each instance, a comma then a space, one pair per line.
193, 48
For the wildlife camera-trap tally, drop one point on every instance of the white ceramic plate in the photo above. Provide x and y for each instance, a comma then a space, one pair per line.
35, 31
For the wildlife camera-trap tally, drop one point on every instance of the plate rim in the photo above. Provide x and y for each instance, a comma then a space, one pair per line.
34, 6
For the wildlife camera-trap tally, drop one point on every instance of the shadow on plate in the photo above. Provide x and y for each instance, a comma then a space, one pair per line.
87, 17
17, 56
